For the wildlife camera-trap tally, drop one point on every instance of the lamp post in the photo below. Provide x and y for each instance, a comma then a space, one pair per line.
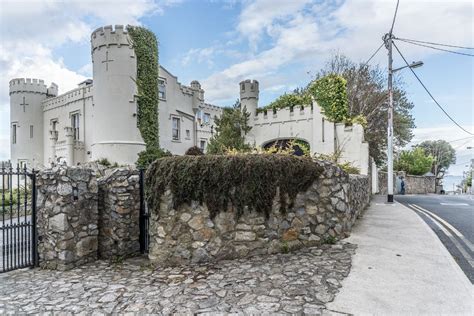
388, 40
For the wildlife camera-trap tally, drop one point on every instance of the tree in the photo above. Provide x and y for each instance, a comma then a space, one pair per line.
415, 162
443, 153
330, 92
368, 97
231, 129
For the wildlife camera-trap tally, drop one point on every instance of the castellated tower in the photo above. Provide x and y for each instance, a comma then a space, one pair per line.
249, 97
114, 122
26, 117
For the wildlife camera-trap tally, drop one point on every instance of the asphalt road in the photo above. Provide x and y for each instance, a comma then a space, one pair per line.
452, 219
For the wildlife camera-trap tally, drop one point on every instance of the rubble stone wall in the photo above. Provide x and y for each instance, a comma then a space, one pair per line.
324, 213
119, 211
67, 217
413, 184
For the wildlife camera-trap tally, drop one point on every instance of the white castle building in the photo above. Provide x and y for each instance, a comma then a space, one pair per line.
98, 119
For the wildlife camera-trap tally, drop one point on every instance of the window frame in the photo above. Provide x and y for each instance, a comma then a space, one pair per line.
176, 119
14, 132
76, 129
162, 84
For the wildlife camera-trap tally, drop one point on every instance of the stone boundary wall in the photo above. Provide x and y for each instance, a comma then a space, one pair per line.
67, 217
119, 211
413, 184
324, 213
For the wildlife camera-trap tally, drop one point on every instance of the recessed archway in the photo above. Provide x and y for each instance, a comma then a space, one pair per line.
299, 145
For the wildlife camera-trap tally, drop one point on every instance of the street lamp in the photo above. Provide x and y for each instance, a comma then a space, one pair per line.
388, 40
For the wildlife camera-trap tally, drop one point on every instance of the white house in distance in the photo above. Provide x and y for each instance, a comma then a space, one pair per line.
98, 119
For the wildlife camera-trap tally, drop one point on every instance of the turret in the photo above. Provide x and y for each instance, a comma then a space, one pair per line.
116, 136
26, 121
198, 94
53, 90
249, 96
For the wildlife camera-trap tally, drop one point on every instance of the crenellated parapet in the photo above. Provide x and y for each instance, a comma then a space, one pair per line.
21, 85
249, 89
285, 115
109, 35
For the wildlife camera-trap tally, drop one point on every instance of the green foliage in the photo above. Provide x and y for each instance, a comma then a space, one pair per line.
415, 162
443, 153
145, 45
12, 197
367, 96
146, 157
469, 180
358, 119
294, 146
349, 168
284, 247
331, 95
231, 181
330, 240
194, 151
231, 128
288, 101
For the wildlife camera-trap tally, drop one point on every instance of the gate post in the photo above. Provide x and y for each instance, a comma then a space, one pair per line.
34, 222
142, 214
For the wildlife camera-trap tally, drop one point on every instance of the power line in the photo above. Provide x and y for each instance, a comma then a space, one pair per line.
456, 140
375, 53
432, 47
429, 93
431, 43
394, 17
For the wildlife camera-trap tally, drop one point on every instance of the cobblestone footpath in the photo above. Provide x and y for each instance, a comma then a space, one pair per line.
298, 282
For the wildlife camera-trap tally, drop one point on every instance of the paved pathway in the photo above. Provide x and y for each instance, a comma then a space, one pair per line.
301, 281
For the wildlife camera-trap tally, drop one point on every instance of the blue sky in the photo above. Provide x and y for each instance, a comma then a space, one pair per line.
278, 42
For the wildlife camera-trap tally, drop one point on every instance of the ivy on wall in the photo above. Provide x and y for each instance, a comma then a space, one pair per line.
145, 45
331, 94
233, 180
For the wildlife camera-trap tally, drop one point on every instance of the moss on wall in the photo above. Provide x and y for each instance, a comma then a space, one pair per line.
237, 181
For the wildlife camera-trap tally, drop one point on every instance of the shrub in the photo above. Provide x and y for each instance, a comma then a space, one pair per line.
236, 181
194, 151
146, 157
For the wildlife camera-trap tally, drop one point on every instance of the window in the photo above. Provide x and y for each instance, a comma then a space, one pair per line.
31, 131
54, 124
176, 128
207, 118
161, 89
14, 133
202, 145
75, 125
188, 134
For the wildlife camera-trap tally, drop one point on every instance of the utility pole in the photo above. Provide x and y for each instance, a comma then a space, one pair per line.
388, 44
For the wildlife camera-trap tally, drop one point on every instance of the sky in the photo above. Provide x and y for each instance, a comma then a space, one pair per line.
281, 43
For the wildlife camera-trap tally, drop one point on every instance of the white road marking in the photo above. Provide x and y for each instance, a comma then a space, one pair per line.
453, 229
456, 243
455, 204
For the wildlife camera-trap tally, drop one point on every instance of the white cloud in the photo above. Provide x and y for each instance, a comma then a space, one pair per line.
31, 30
306, 33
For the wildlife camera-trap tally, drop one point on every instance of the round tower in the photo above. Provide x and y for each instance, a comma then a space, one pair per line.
249, 96
114, 123
26, 121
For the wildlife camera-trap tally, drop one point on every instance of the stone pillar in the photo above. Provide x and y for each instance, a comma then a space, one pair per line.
119, 211
69, 145
67, 217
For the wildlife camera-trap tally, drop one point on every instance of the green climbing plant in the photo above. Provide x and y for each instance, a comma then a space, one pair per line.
145, 45
331, 94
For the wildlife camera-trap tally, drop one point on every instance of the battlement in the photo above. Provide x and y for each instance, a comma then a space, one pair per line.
19, 85
272, 116
108, 35
249, 89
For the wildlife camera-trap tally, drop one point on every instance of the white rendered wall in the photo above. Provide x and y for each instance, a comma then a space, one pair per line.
115, 135
60, 109
180, 102
27, 149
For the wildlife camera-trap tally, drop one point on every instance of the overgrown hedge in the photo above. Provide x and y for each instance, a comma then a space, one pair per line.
145, 45
237, 181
